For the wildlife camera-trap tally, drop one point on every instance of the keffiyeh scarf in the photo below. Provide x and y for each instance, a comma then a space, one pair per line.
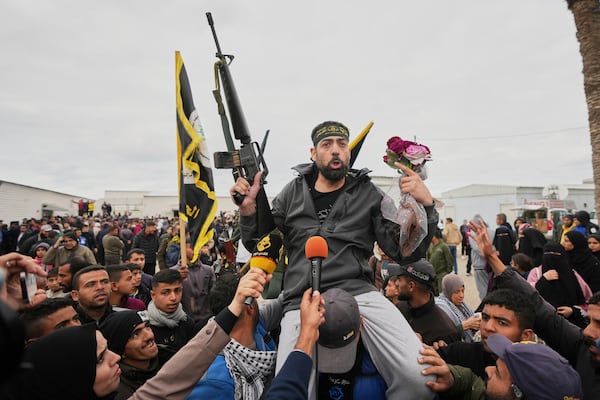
250, 369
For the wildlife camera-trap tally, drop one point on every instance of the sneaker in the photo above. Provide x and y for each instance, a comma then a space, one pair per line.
468, 274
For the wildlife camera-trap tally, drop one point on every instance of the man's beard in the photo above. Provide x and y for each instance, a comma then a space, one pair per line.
334, 175
404, 296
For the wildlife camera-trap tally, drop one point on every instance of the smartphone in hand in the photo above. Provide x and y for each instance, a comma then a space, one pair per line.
28, 286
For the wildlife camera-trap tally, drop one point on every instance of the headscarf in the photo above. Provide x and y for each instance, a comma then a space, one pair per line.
583, 217
524, 226
450, 284
581, 252
597, 237
63, 364
565, 291
532, 244
583, 261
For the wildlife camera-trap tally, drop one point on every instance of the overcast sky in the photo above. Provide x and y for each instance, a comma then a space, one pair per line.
494, 88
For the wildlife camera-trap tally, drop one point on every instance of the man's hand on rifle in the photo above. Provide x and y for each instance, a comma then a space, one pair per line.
243, 187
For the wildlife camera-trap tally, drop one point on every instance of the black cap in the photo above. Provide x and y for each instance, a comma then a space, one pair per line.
420, 271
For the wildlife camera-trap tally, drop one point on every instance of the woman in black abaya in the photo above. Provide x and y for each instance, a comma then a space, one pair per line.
581, 258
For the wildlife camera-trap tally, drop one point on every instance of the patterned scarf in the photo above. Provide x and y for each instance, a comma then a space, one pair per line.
462, 313
161, 318
250, 369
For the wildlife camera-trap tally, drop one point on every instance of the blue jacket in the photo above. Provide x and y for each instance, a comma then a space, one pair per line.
291, 383
217, 382
362, 382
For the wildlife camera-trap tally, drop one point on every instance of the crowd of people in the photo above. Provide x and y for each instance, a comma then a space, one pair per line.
122, 310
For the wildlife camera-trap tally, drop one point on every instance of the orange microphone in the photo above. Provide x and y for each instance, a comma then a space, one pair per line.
265, 256
316, 251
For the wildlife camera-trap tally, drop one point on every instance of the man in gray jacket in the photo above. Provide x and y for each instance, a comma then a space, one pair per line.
343, 206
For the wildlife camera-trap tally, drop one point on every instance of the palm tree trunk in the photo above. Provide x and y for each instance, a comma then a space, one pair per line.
587, 21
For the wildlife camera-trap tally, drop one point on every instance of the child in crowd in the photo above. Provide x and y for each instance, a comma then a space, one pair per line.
140, 291
121, 287
53, 289
40, 251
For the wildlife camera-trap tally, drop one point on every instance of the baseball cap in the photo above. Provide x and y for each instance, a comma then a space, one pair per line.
118, 327
537, 370
46, 228
338, 336
420, 271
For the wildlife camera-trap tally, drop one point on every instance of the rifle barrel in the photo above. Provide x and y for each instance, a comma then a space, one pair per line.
214, 33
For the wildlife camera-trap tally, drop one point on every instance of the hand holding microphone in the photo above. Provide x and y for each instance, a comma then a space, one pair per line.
265, 256
316, 251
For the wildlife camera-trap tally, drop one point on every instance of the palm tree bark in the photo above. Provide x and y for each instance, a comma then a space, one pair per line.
587, 21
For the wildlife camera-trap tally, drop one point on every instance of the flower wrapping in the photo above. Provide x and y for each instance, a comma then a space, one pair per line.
411, 215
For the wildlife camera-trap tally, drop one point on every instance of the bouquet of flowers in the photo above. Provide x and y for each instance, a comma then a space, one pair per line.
411, 154
411, 215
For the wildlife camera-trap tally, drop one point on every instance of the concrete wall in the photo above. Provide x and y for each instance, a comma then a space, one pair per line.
20, 201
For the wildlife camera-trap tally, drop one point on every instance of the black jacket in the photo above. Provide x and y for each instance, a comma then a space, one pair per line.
470, 355
132, 378
430, 321
148, 243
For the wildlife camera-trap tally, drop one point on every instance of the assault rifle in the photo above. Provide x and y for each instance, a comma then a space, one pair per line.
248, 160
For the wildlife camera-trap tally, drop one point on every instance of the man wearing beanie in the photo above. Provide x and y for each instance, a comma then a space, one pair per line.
342, 205
523, 370
129, 335
67, 247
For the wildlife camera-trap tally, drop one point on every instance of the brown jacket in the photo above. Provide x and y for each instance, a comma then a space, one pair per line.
451, 234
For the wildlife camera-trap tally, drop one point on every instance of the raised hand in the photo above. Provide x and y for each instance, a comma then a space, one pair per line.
412, 183
312, 315
251, 284
480, 234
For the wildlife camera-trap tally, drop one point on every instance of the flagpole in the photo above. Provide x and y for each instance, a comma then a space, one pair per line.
182, 242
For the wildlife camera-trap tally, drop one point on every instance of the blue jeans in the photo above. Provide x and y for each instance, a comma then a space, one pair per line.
453, 252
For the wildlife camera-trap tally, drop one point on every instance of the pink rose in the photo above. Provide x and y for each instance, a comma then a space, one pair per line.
417, 154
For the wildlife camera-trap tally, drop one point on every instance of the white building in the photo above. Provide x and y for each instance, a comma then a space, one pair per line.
489, 200
21, 201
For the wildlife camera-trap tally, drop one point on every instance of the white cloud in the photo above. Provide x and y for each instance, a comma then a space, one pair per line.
87, 100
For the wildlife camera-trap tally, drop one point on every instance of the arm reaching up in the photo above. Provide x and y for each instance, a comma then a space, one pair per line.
479, 233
